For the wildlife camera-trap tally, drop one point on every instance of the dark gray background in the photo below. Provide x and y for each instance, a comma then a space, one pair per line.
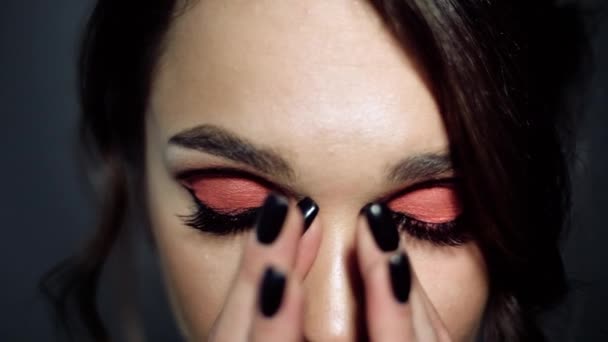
44, 211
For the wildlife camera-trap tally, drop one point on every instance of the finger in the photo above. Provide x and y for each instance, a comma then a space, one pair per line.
309, 210
279, 308
389, 318
400, 269
310, 241
376, 235
388, 309
273, 242
397, 309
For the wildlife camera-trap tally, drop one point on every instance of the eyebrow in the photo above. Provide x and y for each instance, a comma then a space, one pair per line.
423, 166
223, 143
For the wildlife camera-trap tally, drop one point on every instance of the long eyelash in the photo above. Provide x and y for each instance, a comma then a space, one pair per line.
449, 233
209, 220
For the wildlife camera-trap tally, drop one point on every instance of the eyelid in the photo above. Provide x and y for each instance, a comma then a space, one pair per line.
228, 194
289, 191
226, 171
451, 181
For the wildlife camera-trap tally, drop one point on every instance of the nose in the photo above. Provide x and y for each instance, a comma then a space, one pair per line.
334, 302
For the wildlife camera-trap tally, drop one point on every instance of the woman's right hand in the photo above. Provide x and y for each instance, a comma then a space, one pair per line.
265, 302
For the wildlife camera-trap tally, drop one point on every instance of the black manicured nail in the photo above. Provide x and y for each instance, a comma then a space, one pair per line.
271, 292
382, 225
401, 279
270, 219
309, 209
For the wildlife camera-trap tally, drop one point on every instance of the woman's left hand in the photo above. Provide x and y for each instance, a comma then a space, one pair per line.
397, 308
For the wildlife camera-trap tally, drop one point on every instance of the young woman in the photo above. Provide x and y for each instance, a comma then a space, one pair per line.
332, 170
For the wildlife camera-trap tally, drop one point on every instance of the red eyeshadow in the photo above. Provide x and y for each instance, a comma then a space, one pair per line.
435, 205
228, 193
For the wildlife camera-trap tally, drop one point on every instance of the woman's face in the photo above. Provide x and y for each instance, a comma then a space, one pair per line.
319, 100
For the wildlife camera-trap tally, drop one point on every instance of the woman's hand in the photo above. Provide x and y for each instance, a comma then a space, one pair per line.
397, 308
266, 299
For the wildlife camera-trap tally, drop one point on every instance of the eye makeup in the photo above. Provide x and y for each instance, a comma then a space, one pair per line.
436, 204
227, 201
430, 211
227, 194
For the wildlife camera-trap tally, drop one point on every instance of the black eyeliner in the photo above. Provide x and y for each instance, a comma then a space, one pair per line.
206, 219
226, 171
450, 233
209, 220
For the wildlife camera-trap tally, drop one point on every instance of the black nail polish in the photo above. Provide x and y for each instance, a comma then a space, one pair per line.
401, 279
270, 219
382, 225
309, 209
271, 292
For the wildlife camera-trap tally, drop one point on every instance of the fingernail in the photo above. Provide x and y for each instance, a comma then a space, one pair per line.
399, 269
309, 209
270, 219
382, 226
271, 292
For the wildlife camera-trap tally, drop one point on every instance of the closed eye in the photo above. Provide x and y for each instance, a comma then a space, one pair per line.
226, 200
436, 203
226, 194
431, 212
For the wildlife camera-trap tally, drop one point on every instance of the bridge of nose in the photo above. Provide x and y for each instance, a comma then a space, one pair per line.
333, 311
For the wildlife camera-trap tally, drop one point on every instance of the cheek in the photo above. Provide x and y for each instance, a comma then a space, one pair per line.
198, 273
197, 269
455, 281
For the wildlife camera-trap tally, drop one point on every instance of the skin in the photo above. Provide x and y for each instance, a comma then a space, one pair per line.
325, 85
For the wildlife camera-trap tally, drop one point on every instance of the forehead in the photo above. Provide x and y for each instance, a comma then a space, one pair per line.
318, 80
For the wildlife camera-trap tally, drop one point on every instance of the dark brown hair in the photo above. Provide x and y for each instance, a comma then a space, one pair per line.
498, 70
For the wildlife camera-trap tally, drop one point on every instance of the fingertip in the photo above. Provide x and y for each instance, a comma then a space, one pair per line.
400, 276
389, 313
309, 209
279, 314
271, 218
271, 291
382, 226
